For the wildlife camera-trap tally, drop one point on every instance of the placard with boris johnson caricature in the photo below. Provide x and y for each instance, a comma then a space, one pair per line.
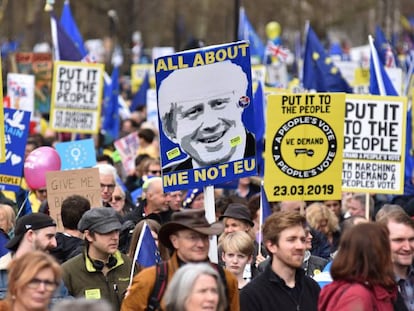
204, 99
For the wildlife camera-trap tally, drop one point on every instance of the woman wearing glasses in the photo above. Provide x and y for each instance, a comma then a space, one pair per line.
119, 203
33, 278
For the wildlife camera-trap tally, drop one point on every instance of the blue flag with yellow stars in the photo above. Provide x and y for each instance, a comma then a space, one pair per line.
319, 71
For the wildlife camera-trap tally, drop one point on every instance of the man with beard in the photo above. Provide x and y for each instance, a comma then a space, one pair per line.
101, 271
187, 237
283, 283
401, 230
33, 232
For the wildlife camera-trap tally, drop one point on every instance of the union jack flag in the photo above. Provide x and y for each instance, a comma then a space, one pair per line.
277, 51
389, 57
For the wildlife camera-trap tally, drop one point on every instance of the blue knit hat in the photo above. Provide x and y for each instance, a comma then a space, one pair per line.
190, 197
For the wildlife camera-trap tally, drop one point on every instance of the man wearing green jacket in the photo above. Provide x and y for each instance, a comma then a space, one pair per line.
101, 271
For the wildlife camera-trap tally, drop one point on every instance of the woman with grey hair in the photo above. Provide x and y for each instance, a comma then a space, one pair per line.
82, 304
195, 287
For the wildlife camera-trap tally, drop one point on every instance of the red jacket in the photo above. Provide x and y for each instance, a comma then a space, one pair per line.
347, 296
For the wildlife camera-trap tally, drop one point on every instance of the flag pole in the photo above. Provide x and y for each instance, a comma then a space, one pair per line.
377, 66
210, 211
260, 238
134, 261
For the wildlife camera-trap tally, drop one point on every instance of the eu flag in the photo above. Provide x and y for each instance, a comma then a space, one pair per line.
319, 72
253, 119
146, 253
140, 97
69, 25
63, 46
247, 32
111, 122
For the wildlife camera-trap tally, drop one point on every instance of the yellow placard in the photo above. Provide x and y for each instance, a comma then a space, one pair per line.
138, 72
361, 76
76, 97
304, 141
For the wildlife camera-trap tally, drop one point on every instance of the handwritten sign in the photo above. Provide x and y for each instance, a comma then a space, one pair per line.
61, 184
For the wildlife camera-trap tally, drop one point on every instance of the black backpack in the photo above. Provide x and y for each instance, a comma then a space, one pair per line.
161, 284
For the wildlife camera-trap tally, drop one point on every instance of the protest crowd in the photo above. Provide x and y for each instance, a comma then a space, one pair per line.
160, 192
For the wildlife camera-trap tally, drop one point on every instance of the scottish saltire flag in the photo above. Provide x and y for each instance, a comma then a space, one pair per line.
319, 71
379, 82
68, 23
111, 106
247, 32
140, 97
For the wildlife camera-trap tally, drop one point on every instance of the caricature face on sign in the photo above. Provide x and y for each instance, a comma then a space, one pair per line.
205, 120
205, 115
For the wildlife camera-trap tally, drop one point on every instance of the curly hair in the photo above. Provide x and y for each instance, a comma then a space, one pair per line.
316, 212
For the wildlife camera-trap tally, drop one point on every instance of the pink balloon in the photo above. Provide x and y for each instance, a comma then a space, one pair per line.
37, 163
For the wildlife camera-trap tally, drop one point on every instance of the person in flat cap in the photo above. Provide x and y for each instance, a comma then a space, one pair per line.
201, 110
33, 232
101, 271
237, 217
187, 237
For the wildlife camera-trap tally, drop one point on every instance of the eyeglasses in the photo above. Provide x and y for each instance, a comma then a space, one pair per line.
110, 187
49, 285
195, 237
155, 172
41, 190
117, 198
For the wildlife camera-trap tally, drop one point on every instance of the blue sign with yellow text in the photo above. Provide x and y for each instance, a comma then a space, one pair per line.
204, 96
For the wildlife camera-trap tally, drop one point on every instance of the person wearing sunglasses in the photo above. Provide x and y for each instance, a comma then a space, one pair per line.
118, 202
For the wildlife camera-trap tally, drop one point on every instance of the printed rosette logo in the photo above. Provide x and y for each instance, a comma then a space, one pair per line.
304, 147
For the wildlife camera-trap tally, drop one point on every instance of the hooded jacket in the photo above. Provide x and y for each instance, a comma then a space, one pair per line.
348, 296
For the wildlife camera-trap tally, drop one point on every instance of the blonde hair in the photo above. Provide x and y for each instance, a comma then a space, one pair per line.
23, 269
238, 241
316, 212
10, 216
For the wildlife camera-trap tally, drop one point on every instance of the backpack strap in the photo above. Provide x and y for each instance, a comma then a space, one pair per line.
222, 274
159, 286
